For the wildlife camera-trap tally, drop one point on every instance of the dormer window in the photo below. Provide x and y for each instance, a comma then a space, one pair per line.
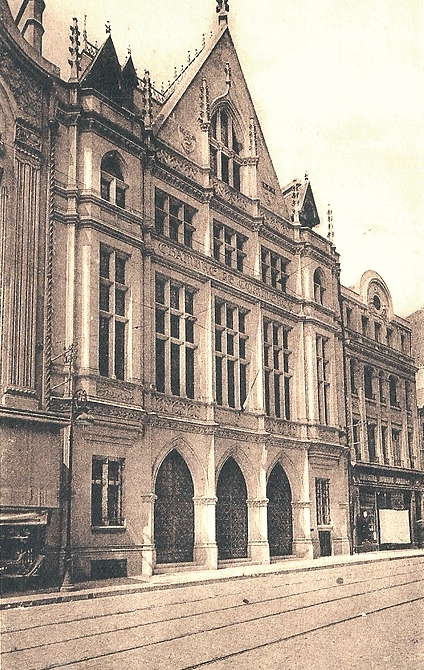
225, 149
112, 185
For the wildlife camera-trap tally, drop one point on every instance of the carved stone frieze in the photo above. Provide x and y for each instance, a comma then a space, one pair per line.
175, 424
177, 163
233, 197
173, 180
120, 413
114, 391
28, 95
280, 427
27, 137
180, 407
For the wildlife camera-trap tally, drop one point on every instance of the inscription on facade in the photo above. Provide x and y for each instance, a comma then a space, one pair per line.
214, 272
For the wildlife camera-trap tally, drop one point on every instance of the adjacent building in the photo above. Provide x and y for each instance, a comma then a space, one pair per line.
386, 470
178, 353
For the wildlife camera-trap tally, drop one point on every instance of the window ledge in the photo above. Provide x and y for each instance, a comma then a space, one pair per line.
109, 529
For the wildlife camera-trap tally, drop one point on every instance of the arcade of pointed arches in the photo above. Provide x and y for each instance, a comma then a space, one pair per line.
174, 512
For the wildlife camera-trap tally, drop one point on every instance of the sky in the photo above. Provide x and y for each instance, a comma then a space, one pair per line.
338, 89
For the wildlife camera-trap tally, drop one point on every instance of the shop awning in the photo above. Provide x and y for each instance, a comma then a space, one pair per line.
23, 518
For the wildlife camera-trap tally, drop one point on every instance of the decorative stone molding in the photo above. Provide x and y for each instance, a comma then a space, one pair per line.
177, 406
281, 427
173, 180
177, 163
176, 424
114, 390
27, 138
203, 500
301, 504
233, 197
255, 503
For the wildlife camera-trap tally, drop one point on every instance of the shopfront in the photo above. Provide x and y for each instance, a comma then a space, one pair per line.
387, 509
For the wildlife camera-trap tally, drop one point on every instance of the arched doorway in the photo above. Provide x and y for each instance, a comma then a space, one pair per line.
280, 520
231, 512
174, 511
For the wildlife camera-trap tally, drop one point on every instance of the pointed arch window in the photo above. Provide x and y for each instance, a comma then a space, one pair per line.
112, 184
319, 287
225, 148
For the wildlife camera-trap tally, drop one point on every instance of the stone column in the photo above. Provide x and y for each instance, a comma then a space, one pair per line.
258, 547
205, 547
302, 541
148, 558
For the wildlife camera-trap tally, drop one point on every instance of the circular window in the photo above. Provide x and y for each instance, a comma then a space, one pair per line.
376, 302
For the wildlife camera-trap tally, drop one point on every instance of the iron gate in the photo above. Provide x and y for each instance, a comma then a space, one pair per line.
280, 518
231, 512
174, 511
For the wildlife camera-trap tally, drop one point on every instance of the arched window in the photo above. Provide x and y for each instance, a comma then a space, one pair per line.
225, 149
112, 186
319, 287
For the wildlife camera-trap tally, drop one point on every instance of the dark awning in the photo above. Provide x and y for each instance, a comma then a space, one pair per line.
23, 518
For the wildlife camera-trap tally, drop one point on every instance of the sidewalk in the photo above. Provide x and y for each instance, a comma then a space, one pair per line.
105, 588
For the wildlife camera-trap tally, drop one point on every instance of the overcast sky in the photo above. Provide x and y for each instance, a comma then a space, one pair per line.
338, 88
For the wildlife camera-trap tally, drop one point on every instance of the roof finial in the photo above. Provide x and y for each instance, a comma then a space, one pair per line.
330, 234
147, 100
74, 50
222, 9
108, 28
295, 201
306, 176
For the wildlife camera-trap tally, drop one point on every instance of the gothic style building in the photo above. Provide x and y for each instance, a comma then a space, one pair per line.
176, 345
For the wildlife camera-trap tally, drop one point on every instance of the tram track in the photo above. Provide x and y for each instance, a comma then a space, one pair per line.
210, 597
226, 625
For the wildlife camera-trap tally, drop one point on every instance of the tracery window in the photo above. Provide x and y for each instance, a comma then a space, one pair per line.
225, 148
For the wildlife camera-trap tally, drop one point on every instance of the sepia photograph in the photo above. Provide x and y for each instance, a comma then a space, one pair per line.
211, 335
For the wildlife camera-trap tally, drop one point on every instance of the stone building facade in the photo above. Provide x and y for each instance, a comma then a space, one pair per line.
386, 471
178, 399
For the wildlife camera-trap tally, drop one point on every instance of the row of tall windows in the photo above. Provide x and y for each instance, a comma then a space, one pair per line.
371, 379
173, 218
373, 434
175, 345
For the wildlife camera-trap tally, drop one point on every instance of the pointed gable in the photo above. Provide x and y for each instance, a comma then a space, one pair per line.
301, 203
104, 73
129, 82
177, 122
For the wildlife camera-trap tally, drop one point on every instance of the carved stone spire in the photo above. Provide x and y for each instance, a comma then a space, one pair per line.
205, 114
147, 100
295, 201
330, 234
75, 59
222, 9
